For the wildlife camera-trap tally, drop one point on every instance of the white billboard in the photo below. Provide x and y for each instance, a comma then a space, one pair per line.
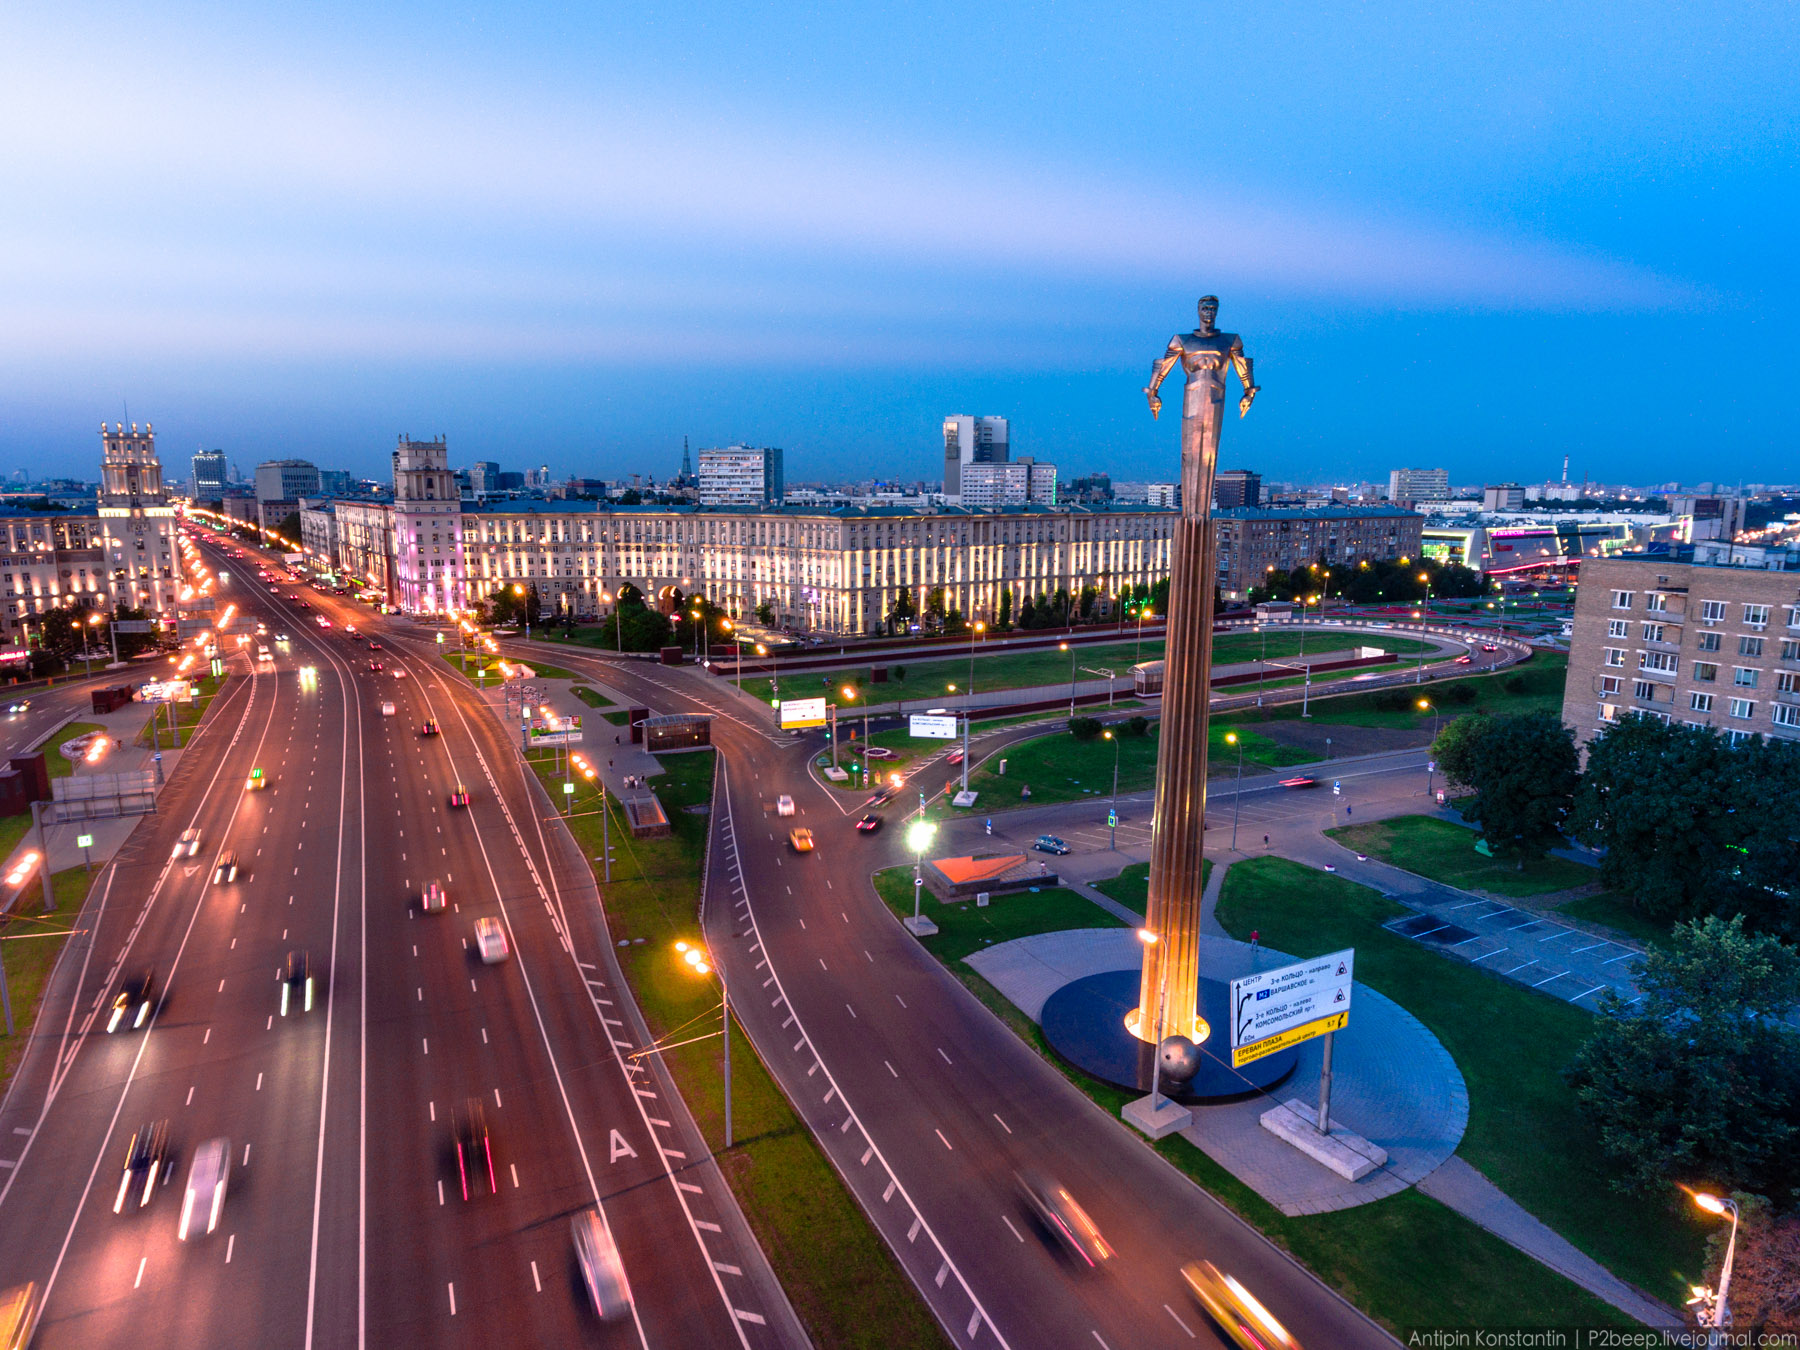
935, 728
1274, 1009
802, 712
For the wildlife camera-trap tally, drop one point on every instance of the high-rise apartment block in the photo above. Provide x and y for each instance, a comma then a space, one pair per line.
1701, 644
741, 475
1015, 483
209, 473
972, 440
1406, 486
484, 477
1254, 540
1503, 497
1233, 488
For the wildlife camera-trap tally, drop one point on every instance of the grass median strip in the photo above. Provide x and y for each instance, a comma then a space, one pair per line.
30, 942
1407, 1260
187, 715
840, 1277
1525, 1132
1535, 686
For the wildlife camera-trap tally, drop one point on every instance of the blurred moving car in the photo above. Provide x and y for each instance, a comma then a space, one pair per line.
432, 899
207, 1178
474, 1147
226, 869
188, 845
19, 1309
460, 797
1490, 647
802, 840
490, 941
1067, 1222
1302, 780
256, 782
601, 1269
869, 823
297, 983
784, 805
1234, 1309
131, 1005
430, 728
21, 706
387, 710
146, 1162
1049, 843
375, 667
955, 757
1464, 660
374, 646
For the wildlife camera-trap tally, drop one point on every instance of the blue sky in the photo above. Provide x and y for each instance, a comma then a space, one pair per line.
1475, 236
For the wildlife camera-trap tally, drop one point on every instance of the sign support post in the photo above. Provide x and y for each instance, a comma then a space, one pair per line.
1324, 1124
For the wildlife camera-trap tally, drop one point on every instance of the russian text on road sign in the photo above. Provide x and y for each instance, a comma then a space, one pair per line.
1274, 1003
936, 728
1294, 1036
802, 712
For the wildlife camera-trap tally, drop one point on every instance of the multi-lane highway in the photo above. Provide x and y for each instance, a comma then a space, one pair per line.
925, 1101
346, 1222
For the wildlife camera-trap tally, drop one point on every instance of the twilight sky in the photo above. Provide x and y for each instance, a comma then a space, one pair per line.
1472, 236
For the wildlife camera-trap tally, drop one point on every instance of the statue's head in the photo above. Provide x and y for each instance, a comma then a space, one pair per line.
1209, 310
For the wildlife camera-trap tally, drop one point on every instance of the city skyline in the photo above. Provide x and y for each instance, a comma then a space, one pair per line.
309, 268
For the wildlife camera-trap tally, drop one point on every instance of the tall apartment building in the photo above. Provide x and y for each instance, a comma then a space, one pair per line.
1701, 644
742, 475
1233, 488
209, 473
1015, 483
1418, 485
280, 484
484, 477
1503, 497
972, 440
1254, 540
139, 516
428, 529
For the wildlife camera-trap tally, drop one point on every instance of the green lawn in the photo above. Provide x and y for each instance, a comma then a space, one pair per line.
187, 715
1525, 1132
998, 668
592, 697
1446, 852
1539, 684
840, 1277
29, 957
1611, 910
1406, 1260
488, 668
964, 927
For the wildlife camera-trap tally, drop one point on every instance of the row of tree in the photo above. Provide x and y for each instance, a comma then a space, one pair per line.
1688, 823
1370, 582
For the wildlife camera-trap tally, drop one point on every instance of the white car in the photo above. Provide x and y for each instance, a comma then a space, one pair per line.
490, 941
207, 1177
264, 656
387, 710
399, 672
188, 845
784, 805
601, 1269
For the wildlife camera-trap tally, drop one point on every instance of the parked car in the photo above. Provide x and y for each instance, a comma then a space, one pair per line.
1049, 843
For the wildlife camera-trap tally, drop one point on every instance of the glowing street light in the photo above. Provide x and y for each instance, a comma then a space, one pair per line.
1714, 1310
695, 958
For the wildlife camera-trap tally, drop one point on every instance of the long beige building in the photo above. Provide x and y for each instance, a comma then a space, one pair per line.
838, 571
1699, 644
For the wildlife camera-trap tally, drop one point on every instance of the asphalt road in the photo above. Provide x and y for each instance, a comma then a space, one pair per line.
925, 1101
346, 1224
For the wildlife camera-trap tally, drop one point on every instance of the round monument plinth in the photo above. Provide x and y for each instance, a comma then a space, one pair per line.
1084, 1022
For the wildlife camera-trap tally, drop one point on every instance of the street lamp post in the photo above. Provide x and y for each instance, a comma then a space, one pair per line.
1237, 797
919, 835
1143, 613
969, 708
697, 962
1112, 816
1718, 1305
1148, 938
1430, 763
1069, 648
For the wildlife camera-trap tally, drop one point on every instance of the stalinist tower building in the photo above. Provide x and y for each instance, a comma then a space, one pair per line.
138, 520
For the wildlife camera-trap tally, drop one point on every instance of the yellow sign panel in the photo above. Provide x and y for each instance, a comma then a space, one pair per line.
1293, 1036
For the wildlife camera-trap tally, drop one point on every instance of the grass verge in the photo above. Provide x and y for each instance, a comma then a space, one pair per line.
964, 927
30, 942
1407, 1260
1446, 852
1535, 686
59, 764
840, 1277
486, 669
592, 697
187, 715
1525, 1131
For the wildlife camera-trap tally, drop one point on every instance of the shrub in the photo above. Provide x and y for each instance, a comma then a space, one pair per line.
1137, 726
897, 672
1084, 728
1514, 684
1460, 693
1393, 700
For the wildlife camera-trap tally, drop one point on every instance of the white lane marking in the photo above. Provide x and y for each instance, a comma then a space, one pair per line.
230, 1242
452, 1288
1003, 1124
1009, 1228
534, 1278
142, 1262
940, 1135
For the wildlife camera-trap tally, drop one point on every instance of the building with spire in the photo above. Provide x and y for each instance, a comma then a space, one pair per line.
138, 517
428, 573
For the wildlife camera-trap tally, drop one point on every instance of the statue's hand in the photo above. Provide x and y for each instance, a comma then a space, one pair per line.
1155, 402
1248, 398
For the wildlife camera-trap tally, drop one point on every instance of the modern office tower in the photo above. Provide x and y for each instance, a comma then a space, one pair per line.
1233, 488
209, 473
972, 440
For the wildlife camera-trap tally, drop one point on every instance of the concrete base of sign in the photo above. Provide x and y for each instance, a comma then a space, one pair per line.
964, 799
920, 927
836, 775
1166, 1119
1343, 1151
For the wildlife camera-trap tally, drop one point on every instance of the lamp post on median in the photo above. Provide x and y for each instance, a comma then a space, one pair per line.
697, 962
1714, 1310
1069, 648
918, 838
1430, 763
1112, 816
1237, 796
